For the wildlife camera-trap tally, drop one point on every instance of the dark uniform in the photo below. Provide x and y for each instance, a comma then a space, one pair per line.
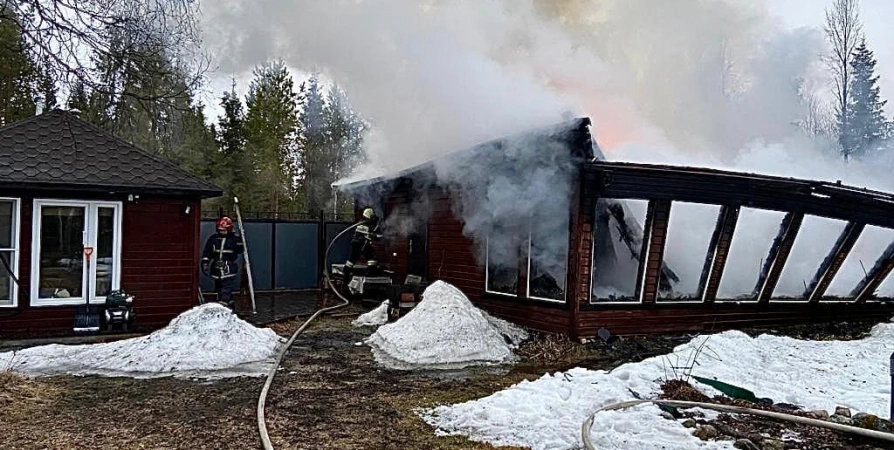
220, 260
361, 242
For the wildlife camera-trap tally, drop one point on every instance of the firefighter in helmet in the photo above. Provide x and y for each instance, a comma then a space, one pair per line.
220, 260
364, 235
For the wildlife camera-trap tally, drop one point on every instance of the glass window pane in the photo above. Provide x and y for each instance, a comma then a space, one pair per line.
7, 223
549, 258
815, 240
688, 237
502, 261
105, 245
61, 251
754, 235
616, 253
6, 283
869, 247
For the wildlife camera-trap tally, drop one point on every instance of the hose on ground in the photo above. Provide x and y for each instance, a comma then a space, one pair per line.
588, 424
262, 399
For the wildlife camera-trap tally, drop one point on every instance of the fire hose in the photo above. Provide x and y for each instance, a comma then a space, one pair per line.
262, 399
588, 424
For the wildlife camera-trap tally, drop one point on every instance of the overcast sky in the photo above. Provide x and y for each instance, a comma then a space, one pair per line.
877, 17
878, 26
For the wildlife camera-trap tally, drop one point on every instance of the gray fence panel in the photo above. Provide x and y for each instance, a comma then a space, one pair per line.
296, 253
341, 250
294, 263
259, 240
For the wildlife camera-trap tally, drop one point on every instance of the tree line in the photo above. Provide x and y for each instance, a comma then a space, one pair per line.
857, 122
279, 149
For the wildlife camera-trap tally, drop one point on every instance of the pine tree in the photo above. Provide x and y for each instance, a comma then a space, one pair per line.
866, 125
316, 159
18, 74
344, 144
234, 174
271, 131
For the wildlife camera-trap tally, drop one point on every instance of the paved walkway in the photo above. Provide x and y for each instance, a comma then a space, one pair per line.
273, 306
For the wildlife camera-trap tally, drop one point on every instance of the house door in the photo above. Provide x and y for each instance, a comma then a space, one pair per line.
417, 253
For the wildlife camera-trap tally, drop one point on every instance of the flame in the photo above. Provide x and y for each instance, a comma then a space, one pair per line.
615, 122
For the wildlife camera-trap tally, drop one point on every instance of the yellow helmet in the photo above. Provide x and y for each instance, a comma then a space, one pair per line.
368, 213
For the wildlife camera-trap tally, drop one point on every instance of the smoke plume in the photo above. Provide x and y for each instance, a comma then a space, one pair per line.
702, 82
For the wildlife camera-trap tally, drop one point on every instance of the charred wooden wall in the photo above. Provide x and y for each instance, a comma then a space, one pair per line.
159, 263
664, 184
452, 257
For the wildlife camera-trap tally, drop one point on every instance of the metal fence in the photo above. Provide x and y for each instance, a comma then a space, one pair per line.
285, 254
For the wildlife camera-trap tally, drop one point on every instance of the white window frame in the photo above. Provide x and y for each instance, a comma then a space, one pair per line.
16, 244
91, 211
487, 272
564, 298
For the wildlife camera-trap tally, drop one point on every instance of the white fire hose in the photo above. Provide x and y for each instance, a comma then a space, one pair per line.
262, 399
588, 424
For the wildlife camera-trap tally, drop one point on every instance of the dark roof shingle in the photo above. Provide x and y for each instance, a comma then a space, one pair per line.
59, 150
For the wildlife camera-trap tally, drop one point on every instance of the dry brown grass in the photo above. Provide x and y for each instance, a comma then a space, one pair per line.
18, 393
548, 349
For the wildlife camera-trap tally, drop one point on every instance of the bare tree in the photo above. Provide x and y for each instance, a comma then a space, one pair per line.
70, 35
844, 31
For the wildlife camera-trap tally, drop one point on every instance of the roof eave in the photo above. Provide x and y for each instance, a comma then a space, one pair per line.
114, 190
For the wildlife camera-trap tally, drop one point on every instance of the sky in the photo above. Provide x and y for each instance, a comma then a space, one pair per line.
877, 16
792, 14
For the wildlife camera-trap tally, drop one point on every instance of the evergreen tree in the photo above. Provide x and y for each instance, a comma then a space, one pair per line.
18, 74
77, 98
271, 131
234, 173
866, 125
344, 140
316, 159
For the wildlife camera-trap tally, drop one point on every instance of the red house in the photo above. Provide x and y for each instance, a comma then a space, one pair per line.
66, 184
540, 229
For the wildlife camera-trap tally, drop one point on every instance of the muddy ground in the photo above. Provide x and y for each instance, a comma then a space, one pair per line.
329, 394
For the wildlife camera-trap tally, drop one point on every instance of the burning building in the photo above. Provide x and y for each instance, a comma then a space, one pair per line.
540, 229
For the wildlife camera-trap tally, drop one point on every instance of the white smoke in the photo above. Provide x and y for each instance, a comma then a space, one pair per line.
703, 82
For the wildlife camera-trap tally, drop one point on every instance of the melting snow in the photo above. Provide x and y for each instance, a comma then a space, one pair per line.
378, 316
445, 330
208, 341
548, 413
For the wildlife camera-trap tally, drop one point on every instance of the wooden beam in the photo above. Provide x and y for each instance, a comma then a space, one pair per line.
779, 251
875, 277
718, 250
829, 268
652, 251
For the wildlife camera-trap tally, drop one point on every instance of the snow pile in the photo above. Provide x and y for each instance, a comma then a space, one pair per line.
445, 331
548, 413
208, 341
378, 316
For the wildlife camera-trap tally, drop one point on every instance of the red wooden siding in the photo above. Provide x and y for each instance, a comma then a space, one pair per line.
158, 266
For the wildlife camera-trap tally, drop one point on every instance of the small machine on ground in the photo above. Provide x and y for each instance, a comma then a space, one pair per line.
118, 311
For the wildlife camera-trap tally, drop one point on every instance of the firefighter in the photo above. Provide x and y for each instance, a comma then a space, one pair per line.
221, 254
364, 235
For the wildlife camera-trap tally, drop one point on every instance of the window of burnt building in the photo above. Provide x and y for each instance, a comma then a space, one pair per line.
815, 240
502, 254
689, 234
548, 258
755, 231
870, 246
617, 240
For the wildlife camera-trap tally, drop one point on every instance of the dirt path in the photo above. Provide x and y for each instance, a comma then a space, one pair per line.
122, 413
330, 394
